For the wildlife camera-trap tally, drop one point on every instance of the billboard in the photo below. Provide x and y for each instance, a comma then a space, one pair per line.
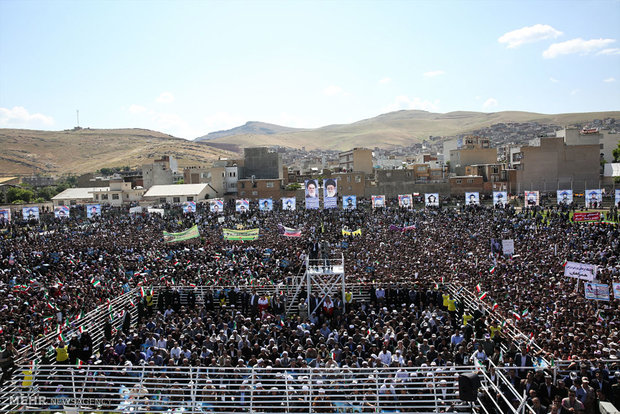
288, 203
500, 198
61, 212
216, 205
189, 207
532, 198
5, 215
242, 205
312, 194
265, 204
565, 196
472, 199
330, 193
378, 201
93, 210
431, 199
594, 198
349, 202
404, 201
30, 213
597, 291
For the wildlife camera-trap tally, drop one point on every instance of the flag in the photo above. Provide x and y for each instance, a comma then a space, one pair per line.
495, 306
565, 263
478, 288
142, 292
484, 295
78, 363
60, 335
525, 313
516, 315
96, 283
492, 269
600, 318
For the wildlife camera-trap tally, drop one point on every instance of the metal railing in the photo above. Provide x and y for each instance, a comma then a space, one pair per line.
157, 389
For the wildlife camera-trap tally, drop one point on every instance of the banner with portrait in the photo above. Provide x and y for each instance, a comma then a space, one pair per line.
565, 196
532, 198
431, 199
189, 207
30, 213
472, 199
500, 198
330, 193
61, 212
616, 289
404, 201
5, 215
378, 201
265, 204
312, 194
93, 210
596, 291
216, 205
594, 198
349, 202
288, 203
617, 198
242, 205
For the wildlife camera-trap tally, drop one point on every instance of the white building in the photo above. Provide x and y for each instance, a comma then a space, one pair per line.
179, 193
118, 193
75, 196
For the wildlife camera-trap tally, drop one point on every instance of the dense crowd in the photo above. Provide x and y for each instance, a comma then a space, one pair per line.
53, 271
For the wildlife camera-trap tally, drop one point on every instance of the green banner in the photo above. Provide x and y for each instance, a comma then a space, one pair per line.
230, 234
190, 233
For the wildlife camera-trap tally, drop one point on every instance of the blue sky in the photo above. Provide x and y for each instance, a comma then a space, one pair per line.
191, 67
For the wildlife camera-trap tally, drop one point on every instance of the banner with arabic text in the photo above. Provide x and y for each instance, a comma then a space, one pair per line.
188, 234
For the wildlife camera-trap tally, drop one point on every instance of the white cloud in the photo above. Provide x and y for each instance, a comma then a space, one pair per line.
136, 109
404, 102
434, 73
610, 51
19, 117
385, 80
529, 34
554, 80
609, 80
490, 103
333, 90
578, 45
165, 97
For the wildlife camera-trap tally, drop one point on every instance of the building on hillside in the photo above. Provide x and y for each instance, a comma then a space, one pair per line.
356, 160
76, 196
350, 183
468, 183
430, 171
118, 193
496, 177
159, 172
560, 162
609, 142
179, 193
196, 175
39, 181
475, 150
90, 180
262, 163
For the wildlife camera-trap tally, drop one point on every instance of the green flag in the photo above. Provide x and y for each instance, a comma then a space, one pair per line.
188, 234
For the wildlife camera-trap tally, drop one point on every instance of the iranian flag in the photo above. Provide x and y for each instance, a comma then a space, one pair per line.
96, 283
565, 263
142, 291
59, 334
516, 315
484, 295
525, 313
495, 306
478, 288
492, 269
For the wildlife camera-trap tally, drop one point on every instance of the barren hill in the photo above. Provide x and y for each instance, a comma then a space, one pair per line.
86, 150
400, 128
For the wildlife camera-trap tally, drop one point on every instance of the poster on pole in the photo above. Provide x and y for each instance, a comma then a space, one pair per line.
216, 205
189, 207
616, 289
349, 202
312, 194
404, 201
5, 215
93, 210
330, 193
288, 203
597, 291
532, 198
30, 213
242, 205
594, 198
265, 204
582, 271
431, 199
472, 199
508, 247
500, 198
565, 197
61, 212
378, 201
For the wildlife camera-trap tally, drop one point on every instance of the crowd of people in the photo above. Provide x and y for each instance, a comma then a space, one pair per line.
54, 271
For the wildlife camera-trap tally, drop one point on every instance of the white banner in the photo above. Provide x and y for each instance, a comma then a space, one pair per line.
508, 247
581, 271
159, 211
135, 210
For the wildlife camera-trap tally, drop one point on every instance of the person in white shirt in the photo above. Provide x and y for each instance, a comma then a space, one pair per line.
385, 356
175, 352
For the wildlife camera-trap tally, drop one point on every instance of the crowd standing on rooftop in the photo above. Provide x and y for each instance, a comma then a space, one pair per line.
54, 270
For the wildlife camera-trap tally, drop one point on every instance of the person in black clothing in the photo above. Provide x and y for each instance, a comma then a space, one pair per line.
7, 362
86, 346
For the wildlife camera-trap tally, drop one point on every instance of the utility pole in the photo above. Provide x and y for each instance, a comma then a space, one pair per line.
78, 117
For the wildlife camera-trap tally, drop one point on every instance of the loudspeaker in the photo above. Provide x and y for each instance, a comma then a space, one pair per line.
468, 386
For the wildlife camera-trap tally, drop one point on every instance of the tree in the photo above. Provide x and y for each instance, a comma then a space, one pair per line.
616, 153
16, 193
293, 187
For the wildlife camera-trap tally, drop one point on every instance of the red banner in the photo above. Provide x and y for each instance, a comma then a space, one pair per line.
581, 217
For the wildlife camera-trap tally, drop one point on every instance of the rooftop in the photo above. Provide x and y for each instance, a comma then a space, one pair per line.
175, 190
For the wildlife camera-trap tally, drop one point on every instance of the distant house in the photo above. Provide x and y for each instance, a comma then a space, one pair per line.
76, 196
179, 193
